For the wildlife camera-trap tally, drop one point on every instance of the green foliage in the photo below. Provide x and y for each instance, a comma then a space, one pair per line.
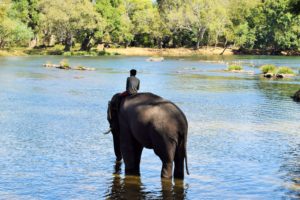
269, 25
64, 63
268, 69
14, 33
285, 70
275, 26
235, 68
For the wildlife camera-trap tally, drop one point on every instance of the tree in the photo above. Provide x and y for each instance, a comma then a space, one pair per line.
12, 31
194, 16
147, 24
66, 19
276, 28
27, 12
119, 27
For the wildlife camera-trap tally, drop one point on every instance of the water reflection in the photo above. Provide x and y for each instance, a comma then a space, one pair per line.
278, 89
291, 169
131, 187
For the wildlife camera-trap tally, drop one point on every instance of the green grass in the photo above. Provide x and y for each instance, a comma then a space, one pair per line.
268, 69
64, 63
235, 68
285, 70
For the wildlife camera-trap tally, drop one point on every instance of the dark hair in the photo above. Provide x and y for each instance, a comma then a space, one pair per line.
132, 72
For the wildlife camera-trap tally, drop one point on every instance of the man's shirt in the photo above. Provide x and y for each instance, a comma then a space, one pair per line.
132, 85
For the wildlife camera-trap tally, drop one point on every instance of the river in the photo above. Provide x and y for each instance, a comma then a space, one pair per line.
243, 139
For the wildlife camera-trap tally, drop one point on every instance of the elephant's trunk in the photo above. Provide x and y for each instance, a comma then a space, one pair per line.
117, 148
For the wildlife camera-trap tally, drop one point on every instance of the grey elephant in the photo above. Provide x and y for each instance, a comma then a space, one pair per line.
147, 120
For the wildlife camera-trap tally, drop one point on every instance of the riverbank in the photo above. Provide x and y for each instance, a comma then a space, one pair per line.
139, 51
130, 51
169, 52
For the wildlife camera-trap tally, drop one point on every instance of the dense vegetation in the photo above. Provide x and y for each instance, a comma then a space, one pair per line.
269, 25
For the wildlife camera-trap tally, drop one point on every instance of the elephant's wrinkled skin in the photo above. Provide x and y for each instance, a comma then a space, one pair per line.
147, 120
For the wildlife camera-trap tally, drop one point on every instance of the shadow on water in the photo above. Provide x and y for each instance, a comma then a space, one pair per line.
131, 187
278, 89
291, 173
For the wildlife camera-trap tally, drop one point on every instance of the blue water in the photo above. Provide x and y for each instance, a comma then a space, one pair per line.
243, 140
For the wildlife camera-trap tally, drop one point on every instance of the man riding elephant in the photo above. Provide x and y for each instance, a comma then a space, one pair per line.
132, 84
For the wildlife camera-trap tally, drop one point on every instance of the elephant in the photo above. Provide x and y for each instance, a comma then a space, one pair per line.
145, 120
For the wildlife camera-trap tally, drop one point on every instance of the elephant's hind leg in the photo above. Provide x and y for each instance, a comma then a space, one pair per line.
166, 152
179, 163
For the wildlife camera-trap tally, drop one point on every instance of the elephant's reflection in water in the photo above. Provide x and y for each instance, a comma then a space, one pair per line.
131, 187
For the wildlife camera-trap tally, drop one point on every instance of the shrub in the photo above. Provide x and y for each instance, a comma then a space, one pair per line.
103, 53
285, 70
67, 53
268, 69
235, 68
64, 63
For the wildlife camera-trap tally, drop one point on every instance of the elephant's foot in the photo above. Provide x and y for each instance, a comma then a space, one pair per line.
179, 175
166, 171
135, 172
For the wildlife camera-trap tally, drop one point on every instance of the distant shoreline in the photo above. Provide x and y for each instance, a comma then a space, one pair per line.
139, 51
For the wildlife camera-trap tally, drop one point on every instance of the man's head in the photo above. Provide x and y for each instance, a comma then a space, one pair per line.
132, 72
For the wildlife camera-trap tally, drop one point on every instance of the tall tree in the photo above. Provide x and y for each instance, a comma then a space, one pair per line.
12, 31
66, 19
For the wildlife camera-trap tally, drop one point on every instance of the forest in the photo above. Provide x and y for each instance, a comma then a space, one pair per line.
267, 25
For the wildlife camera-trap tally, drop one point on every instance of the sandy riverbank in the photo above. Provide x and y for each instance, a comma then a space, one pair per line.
136, 51
130, 51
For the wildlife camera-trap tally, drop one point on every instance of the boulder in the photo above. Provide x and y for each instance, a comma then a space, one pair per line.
296, 96
155, 59
268, 75
82, 68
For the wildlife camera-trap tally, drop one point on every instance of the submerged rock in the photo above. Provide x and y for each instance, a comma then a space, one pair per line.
268, 75
155, 59
82, 68
67, 67
271, 75
50, 65
64, 67
296, 96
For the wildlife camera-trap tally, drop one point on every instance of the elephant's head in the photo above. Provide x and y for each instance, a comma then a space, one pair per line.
113, 119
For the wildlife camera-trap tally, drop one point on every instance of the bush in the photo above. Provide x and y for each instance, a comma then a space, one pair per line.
285, 70
67, 53
268, 69
64, 63
235, 68
103, 53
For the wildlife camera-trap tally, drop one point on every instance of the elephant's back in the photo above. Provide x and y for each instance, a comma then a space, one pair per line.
157, 112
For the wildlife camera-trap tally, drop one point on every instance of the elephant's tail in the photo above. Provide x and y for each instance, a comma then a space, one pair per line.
185, 154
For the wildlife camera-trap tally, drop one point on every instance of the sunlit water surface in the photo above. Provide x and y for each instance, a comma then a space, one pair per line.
243, 140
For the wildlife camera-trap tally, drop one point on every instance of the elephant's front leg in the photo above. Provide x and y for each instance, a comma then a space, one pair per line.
131, 152
167, 169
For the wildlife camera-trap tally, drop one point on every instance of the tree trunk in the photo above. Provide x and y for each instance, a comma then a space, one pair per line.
216, 40
86, 43
33, 43
200, 35
68, 42
159, 43
126, 44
